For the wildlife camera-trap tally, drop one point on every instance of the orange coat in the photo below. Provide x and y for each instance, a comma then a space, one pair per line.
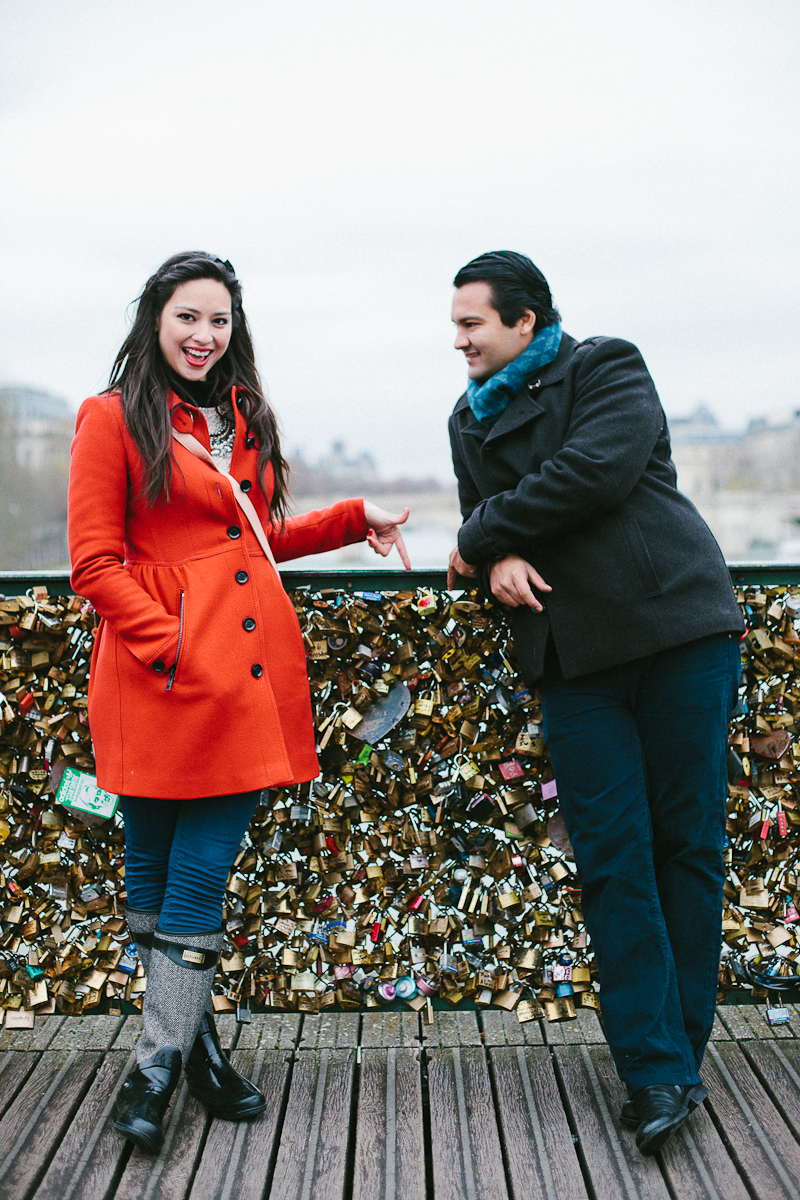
237, 715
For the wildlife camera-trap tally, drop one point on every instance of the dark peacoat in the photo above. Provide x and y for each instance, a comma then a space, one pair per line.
576, 477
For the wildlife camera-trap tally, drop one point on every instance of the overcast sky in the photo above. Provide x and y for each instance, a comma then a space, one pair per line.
349, 157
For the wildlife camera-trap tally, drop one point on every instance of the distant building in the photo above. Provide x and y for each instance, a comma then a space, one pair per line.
339, 473
39, 424
35, 433
337, 465
746, 484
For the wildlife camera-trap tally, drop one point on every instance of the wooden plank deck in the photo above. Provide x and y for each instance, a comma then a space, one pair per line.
382, 1106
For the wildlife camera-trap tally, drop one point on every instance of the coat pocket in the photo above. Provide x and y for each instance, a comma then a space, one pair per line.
640, 557
174, 668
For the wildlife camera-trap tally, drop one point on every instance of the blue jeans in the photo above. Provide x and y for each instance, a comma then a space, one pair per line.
178, 854
639, 753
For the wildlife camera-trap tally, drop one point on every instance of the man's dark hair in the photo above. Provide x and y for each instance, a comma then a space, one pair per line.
516, 285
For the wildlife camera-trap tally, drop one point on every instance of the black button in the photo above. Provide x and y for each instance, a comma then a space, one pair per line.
249, 624
159, 666
245, 485
234, 531
241, 577
256, 670
250, 442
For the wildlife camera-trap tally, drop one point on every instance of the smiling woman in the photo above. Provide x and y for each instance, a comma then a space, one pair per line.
199, 694
194, 329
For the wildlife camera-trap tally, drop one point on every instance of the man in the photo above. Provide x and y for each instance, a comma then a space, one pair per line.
623, 615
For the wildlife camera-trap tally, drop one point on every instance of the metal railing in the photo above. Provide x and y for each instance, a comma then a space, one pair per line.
743, 574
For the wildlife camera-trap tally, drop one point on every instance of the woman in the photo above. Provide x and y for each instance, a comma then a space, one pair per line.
198, 695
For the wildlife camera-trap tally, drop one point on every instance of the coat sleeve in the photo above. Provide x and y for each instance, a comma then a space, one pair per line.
615, 423
96, 521
324, 529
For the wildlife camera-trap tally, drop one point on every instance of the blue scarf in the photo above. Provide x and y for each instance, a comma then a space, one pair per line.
492, 398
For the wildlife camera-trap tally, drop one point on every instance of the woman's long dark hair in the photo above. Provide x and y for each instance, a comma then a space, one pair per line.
141, 377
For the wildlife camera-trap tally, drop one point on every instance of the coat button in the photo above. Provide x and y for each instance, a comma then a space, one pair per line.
256, 670
241, 577
245, 485
159, 666
234, 531
250, 442
249, 624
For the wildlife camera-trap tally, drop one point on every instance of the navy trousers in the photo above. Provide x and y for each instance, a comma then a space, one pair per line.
178, 854
639, 753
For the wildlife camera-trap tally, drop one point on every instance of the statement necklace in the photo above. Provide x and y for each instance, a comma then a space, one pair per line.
223, 435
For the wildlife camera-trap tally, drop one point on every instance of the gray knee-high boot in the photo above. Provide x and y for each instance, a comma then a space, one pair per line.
180, 976
142, 925
179, 984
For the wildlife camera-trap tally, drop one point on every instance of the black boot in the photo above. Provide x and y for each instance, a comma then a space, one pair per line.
216, 1084
628, 1115
141, 1104
661, 1109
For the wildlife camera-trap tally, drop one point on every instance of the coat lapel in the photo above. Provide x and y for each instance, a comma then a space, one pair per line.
469, 422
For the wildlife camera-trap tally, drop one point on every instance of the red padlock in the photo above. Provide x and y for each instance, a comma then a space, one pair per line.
783, 824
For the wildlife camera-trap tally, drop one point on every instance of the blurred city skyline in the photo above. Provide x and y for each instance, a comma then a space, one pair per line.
746, 484
349, 158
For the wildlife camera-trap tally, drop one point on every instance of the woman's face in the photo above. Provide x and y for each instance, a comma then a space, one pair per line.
194, 328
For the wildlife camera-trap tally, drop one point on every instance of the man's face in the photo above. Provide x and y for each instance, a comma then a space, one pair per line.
488, 344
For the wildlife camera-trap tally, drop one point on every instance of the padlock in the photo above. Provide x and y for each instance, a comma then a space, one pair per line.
479, 708
778, 1015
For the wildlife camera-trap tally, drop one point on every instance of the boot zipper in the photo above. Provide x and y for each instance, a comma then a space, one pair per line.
174, 666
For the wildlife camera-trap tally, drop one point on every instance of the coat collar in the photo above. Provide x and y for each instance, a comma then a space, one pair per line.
184, 416
526, 404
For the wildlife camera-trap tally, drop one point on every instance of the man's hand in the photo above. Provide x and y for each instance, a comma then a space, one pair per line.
510, 580
457, 566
